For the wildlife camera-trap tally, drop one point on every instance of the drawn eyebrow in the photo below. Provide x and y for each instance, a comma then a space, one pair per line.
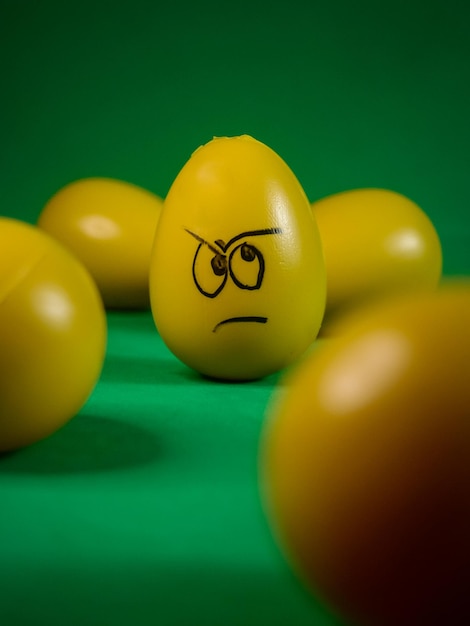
248, 233
203, 241
254, 233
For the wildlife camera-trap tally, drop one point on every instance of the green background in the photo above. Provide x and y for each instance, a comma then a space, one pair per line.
145, 508
350, 94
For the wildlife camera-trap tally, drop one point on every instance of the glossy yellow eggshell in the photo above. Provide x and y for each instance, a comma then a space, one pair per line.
365, 464
52, 334
376, 242
110, 226
237, 277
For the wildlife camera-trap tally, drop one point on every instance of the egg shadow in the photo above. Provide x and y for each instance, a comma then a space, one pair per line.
146, 371
154, 371
86, 445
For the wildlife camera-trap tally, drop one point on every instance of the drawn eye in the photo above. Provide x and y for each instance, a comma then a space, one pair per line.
219, 264
246, 266
209, 271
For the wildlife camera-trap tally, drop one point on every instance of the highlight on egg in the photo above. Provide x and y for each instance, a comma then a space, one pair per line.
376, 243
237, 278
109, 225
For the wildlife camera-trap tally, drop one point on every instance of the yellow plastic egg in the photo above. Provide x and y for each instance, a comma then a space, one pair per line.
376, 242
52, 334
110, 226
365, 463
237, 278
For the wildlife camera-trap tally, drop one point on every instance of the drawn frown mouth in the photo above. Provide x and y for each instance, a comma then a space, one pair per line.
245, 318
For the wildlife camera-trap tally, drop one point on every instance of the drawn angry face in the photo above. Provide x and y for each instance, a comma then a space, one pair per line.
240, 260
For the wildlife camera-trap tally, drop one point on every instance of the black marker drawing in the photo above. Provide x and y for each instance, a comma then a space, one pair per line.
244, 318
222, 265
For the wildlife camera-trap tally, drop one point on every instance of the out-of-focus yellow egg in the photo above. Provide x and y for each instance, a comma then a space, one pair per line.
52, 334
237, 277
110, 226
376, 242
365, 463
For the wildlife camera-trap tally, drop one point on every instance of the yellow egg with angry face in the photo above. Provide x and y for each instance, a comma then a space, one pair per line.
237, 277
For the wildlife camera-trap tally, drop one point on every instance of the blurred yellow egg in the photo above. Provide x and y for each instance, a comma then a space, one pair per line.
237, 277
376, 243
110, 226
52, 334
365, 463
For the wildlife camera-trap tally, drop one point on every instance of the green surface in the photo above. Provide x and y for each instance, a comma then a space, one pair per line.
145, 508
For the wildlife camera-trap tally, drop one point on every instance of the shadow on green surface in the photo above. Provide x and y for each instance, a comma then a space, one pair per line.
146, 371
155, 371
87, 444
171, 370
